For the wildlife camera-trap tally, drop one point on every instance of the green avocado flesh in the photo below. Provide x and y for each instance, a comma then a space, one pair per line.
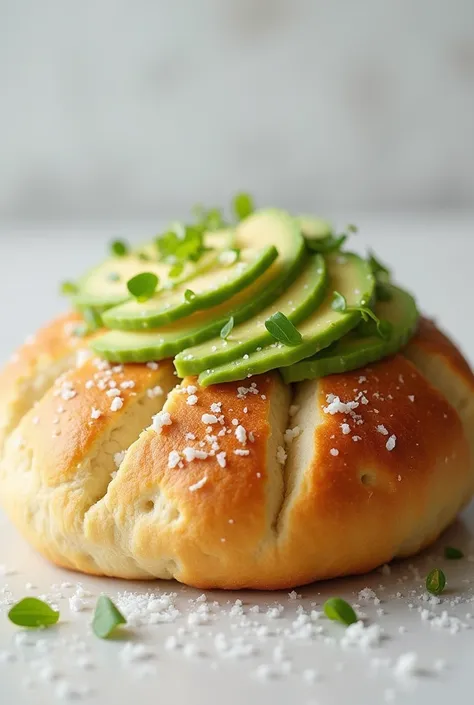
297, 303
106, 285
138, 346
212, 316
353, 350
348, 274
208, 289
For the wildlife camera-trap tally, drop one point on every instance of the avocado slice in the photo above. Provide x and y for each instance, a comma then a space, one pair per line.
348, 274
106, 285
128, 346
208, 289
353, 350
297, 302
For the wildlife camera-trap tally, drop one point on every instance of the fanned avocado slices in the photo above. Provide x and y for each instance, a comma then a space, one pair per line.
355, 350
349, 275
296, 302
106, 285
269, 225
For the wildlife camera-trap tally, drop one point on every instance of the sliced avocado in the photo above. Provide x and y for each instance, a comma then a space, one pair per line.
204, 291
297, 302
314, 228
353, 350
349, 275
106, 285
122, 346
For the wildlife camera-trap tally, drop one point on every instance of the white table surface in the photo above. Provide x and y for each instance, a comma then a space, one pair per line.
433, 257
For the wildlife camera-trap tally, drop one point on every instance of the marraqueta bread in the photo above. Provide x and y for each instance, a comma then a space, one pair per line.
246, 484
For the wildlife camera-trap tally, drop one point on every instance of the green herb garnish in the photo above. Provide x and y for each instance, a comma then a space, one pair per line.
142, 286
282, 329
339, 304
176, 270
209, 218
119, 248
189, 295
377, 267
243, 205
339, 610
34, 613
453, 554
68, 288
436, 581
92, 320
106, 617
181, 243
144, 257
226, 330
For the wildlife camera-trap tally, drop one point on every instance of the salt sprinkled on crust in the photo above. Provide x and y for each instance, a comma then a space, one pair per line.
162, 418
336, 406
241, 434
95, 413
381, 429
116, 404
221, 459
334, 451
281, 455
390, 444
173, 459
197, 485
209, 419
191, 400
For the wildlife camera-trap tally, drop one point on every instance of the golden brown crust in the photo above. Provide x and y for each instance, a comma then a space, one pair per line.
34, 367
379, 461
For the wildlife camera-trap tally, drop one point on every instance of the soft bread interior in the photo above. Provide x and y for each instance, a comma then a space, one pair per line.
299, 448
280, 399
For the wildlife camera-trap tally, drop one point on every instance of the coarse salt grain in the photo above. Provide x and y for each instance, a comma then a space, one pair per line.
381, 429
209, 419
95, 413
241, 434
173, 459
221, 459
192, 400
162, 418
197, 485
334, 451
281, 455
114, 392
390, 444
116, 404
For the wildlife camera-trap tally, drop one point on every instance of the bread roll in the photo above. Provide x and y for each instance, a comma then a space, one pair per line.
252, 484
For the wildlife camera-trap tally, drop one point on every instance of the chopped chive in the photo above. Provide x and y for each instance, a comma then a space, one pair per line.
189, 295
142, 286
436, 581
34, 613
282, 329
106, 617
119, 248
453, 554
68, 288
243, 205
226, 330
339, 610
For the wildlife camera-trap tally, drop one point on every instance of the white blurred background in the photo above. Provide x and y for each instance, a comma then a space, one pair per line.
113, 109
